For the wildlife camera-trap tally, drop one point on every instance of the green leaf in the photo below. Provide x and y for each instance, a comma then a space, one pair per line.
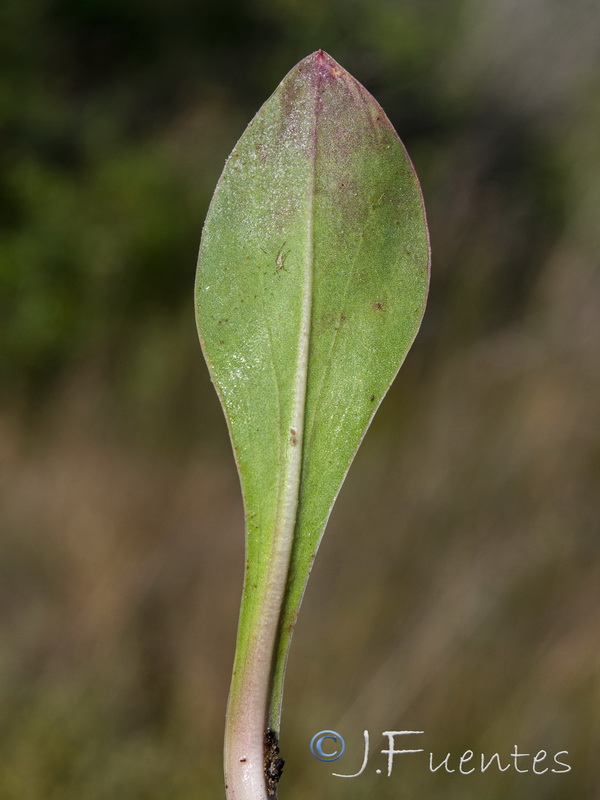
311, 285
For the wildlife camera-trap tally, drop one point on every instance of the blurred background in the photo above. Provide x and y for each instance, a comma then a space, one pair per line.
457, 587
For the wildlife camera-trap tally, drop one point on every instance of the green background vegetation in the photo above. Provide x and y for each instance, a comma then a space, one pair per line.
456, 590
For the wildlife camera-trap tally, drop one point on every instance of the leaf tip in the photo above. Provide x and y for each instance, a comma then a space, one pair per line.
320, 60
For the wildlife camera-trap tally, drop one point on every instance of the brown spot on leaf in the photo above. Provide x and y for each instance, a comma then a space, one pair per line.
378, 305
280, 260
263, 152
372, 398
293, 437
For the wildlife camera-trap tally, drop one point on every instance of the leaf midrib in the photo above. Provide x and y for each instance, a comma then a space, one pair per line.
289, 495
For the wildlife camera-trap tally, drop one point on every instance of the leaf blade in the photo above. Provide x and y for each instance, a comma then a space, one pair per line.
385, 303
313, 265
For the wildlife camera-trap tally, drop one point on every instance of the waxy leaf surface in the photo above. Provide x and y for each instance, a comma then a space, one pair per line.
311, 285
